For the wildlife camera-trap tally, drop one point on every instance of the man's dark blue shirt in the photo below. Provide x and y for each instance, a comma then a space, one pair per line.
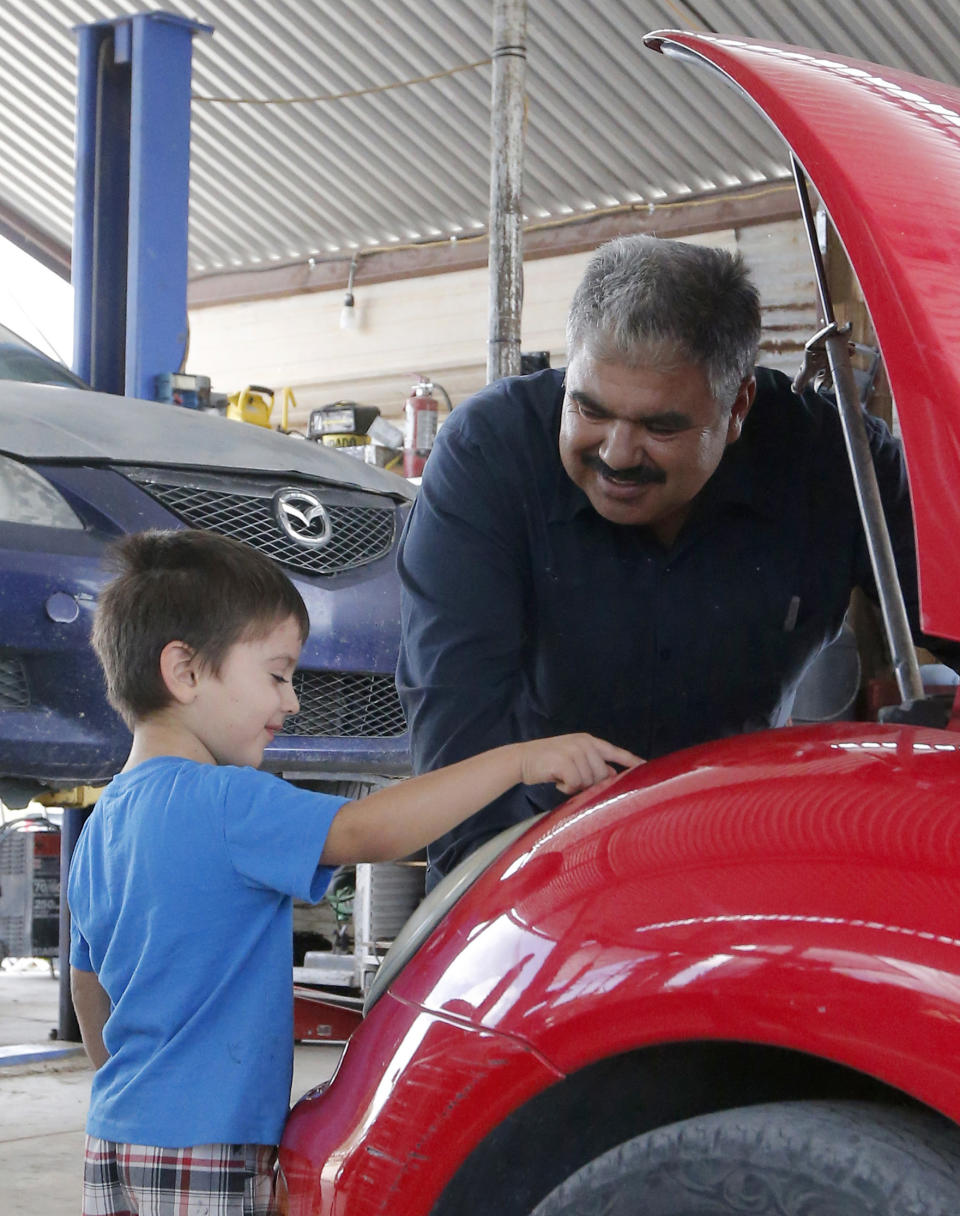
526, 614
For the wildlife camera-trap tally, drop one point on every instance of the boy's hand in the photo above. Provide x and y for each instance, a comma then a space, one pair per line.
571, 762
401, 818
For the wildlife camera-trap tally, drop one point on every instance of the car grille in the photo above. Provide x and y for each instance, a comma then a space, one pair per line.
358, 533
14, 693
350, 705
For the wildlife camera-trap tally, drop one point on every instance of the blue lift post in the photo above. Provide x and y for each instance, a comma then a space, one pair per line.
132, 194
129, 247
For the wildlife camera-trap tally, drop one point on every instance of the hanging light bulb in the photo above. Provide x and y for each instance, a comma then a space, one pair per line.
348, 313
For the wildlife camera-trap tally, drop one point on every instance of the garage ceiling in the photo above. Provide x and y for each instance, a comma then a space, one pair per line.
390, 149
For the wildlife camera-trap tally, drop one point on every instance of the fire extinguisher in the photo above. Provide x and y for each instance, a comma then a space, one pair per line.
421, 416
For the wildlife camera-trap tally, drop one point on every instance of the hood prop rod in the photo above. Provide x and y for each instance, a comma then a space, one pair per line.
834, 339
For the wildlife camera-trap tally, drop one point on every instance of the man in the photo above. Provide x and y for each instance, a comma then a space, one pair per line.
650, 546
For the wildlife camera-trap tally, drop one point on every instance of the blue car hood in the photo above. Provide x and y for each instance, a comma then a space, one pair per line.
44, 423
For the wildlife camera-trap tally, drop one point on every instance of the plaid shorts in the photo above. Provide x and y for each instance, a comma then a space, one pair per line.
203, 1180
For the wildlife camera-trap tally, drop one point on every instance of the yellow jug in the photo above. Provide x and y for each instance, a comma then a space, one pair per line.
251, 405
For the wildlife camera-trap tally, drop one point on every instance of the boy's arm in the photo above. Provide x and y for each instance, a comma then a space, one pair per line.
92, 1007
405, 817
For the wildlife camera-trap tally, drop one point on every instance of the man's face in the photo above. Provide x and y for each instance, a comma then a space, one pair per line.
642, 442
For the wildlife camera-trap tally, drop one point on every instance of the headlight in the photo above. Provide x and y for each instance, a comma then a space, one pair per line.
435, 907
28, 498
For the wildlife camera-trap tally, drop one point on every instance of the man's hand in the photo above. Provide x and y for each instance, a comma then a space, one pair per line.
572, 762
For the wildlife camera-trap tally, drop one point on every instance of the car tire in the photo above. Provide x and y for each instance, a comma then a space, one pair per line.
780, 1159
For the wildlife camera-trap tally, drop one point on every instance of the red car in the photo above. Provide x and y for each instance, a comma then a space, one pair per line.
729, 981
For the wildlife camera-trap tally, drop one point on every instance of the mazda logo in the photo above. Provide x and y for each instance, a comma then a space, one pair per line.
301, 516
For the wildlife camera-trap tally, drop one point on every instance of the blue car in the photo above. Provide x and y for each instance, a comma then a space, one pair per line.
79, 468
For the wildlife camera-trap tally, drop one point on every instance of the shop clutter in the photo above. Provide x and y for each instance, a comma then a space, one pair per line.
358, 430
355, 429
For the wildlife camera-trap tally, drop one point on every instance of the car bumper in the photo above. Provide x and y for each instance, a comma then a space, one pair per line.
390, 1131
56, 727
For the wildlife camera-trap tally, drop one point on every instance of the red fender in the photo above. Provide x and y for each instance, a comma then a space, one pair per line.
796, 888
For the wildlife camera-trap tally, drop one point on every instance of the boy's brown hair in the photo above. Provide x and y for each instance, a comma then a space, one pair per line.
195, 587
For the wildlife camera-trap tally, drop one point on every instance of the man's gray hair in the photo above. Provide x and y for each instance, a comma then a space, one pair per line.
644, 299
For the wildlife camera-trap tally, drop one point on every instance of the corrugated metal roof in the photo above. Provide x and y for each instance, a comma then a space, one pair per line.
276, 181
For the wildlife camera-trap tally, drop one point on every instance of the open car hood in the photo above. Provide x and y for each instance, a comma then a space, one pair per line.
44, 423
882, 149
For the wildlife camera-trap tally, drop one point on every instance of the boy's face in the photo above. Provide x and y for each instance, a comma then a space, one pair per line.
240, 709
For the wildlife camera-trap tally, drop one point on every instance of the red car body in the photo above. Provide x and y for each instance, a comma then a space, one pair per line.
762, 919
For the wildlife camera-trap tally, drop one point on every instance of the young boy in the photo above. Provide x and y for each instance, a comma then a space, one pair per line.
182, 882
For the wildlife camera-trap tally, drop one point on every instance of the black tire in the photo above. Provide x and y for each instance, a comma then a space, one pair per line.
779, 1159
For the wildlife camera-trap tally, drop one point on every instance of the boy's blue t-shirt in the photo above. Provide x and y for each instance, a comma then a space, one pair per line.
181, 892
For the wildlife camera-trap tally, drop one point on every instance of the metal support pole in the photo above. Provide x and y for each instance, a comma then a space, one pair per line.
68, 1031
507, 120
130, 215
892, 608
159, 190
99, 262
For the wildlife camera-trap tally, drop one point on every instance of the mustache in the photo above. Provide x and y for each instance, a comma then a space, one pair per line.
640, 474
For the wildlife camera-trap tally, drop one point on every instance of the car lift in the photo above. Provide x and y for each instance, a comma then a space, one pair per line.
132, 190
129, 263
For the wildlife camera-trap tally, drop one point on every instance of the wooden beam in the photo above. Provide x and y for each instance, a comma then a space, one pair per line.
764, 203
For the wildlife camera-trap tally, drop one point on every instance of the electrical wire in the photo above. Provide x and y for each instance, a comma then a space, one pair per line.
699, 18
323, 97
341, 891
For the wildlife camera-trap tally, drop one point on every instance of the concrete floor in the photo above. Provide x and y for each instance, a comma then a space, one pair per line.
43, 1100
